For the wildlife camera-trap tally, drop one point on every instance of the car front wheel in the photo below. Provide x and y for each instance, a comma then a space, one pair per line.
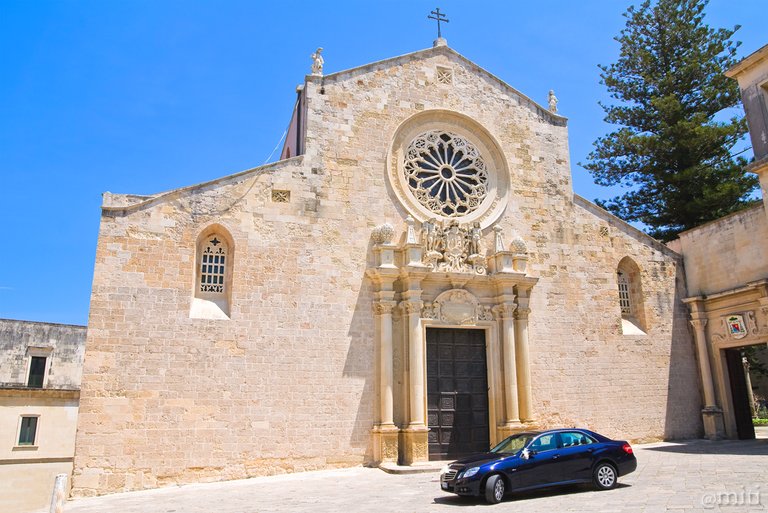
494, 489
605, 476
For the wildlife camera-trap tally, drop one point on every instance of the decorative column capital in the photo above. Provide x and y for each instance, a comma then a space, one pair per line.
698, 323
411, 306
504, 310
695, 306
383, 278
522, 313
383, 307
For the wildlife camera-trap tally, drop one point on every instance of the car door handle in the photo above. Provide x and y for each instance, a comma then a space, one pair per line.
555, 456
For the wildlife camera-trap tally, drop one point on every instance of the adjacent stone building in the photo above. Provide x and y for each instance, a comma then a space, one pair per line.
414, 280
40, 370
726, 266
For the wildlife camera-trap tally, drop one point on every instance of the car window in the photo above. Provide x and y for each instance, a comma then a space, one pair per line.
574, 438
544, 443
512, 444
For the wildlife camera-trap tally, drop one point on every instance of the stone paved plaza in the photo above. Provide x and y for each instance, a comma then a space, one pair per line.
689, 476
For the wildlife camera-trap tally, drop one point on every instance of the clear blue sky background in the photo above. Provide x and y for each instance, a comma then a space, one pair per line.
148, 95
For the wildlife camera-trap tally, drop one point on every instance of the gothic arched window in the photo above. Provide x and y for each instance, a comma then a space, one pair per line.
631, 303
213, 275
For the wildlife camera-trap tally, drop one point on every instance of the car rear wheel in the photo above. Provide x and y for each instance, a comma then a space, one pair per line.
494, 489
605, 476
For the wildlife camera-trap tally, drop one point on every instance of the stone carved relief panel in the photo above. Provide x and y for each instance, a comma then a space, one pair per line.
756, 329
451, 247
484, 313
457, 307
389, 448
741, 326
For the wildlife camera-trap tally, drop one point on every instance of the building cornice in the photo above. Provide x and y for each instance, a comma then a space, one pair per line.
747, 62
31, 393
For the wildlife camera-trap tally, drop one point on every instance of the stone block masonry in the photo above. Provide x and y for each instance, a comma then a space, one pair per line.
289, 381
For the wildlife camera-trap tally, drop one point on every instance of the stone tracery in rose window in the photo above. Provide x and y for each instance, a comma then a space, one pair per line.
446, 173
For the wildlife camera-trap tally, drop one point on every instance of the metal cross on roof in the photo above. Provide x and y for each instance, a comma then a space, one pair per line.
438, 16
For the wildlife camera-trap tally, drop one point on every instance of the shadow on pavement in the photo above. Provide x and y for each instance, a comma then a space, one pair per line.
739, 447
457, 500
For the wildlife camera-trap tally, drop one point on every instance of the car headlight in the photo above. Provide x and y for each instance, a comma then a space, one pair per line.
471, 471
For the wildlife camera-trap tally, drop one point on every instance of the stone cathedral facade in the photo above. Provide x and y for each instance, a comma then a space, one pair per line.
414, 279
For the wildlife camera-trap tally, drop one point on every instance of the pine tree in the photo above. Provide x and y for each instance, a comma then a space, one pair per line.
671, 149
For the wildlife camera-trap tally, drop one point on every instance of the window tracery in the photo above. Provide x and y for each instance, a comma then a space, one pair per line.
444, 75
446, 173
213, 266
624, 298
631, 299
212, 286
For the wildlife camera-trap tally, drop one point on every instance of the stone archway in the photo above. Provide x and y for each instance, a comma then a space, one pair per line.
723, 323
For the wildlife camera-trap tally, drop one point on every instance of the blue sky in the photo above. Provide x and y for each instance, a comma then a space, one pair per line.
145, 96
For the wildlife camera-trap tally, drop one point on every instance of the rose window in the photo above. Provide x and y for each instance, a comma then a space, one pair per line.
446, 173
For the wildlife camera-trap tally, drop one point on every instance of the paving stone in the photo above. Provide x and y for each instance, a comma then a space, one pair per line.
734, 471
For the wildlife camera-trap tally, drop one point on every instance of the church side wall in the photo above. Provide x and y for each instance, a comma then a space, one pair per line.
283, 385
586, 372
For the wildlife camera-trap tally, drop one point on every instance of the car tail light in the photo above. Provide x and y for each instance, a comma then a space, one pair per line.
627, 448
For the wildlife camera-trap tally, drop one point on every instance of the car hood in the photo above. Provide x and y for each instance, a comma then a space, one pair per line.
483, 457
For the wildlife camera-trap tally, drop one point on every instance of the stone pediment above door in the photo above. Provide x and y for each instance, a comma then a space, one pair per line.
457, 307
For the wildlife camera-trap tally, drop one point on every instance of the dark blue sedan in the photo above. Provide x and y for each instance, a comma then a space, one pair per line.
538, 459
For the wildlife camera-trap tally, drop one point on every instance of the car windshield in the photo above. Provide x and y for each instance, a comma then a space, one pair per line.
512, 444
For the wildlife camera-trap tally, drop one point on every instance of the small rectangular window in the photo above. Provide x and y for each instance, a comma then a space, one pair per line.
36, 372
28, 431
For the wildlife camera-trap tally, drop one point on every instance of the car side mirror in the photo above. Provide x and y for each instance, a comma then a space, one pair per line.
525, 454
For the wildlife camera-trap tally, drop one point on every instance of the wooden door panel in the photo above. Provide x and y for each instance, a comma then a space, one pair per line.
457, 392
